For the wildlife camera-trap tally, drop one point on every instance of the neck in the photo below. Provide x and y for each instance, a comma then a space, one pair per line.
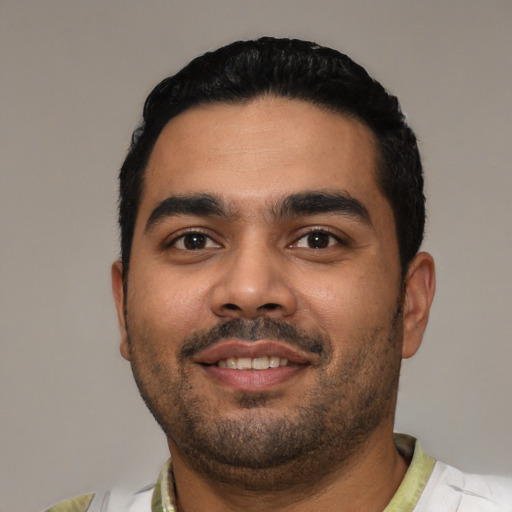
366, 482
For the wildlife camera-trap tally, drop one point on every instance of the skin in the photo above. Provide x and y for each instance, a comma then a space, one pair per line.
254, 264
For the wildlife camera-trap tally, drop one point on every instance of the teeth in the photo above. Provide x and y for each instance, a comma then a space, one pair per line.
260, 363
274, 361
244, 363
257, 363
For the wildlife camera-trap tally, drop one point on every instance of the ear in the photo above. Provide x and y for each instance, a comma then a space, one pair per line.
119, 299
420, 285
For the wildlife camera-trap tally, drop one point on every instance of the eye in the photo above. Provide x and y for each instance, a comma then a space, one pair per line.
193, 242
317, 240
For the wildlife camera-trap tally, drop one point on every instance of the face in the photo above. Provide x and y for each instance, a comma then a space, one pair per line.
264, 309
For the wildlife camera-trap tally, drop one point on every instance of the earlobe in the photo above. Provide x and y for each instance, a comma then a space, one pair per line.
420, 286
119, 299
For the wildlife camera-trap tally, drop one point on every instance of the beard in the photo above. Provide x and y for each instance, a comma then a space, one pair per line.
259, 447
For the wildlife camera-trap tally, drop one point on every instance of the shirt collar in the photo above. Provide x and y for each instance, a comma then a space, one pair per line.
416, 478
163, 494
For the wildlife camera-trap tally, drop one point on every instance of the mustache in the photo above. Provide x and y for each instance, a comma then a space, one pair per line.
254, 330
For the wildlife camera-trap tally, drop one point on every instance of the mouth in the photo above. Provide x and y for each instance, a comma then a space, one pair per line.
252, 366
252, 363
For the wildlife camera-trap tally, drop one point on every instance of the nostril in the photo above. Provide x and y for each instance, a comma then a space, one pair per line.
230, 308
270, 306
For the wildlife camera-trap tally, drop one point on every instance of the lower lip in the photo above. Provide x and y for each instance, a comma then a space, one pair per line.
253, 380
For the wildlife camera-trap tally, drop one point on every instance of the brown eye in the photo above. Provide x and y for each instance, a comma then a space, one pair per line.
193, 242
317, 240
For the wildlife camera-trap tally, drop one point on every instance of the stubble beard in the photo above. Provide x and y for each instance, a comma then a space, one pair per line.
261, 449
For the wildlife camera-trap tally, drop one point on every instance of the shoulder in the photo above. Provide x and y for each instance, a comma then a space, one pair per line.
139, 501
449, 489
152, 498
78, 504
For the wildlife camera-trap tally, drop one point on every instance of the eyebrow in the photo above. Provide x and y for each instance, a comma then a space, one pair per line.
202, 205
302, 203
316, 202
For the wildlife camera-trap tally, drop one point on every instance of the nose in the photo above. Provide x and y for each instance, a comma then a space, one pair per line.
253, 284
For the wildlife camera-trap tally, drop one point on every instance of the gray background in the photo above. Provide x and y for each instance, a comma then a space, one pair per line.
74, 75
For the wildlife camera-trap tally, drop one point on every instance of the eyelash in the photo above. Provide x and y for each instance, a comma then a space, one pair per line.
182, 237
319, 231
333, 239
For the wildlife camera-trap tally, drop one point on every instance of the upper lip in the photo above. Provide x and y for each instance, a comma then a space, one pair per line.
252, 349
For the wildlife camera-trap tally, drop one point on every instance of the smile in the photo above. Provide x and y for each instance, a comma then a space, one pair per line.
253, 366
254, 363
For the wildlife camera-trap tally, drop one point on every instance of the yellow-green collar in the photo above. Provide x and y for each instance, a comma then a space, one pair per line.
420, 469
162, 501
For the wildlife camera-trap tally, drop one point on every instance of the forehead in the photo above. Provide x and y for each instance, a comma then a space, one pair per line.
255, 153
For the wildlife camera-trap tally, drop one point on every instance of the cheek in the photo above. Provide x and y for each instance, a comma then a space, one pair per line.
344, 304
167, 307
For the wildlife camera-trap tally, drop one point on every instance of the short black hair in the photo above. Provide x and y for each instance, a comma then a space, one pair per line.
293, 69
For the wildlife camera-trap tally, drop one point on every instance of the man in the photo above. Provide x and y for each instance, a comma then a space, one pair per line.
270, 284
